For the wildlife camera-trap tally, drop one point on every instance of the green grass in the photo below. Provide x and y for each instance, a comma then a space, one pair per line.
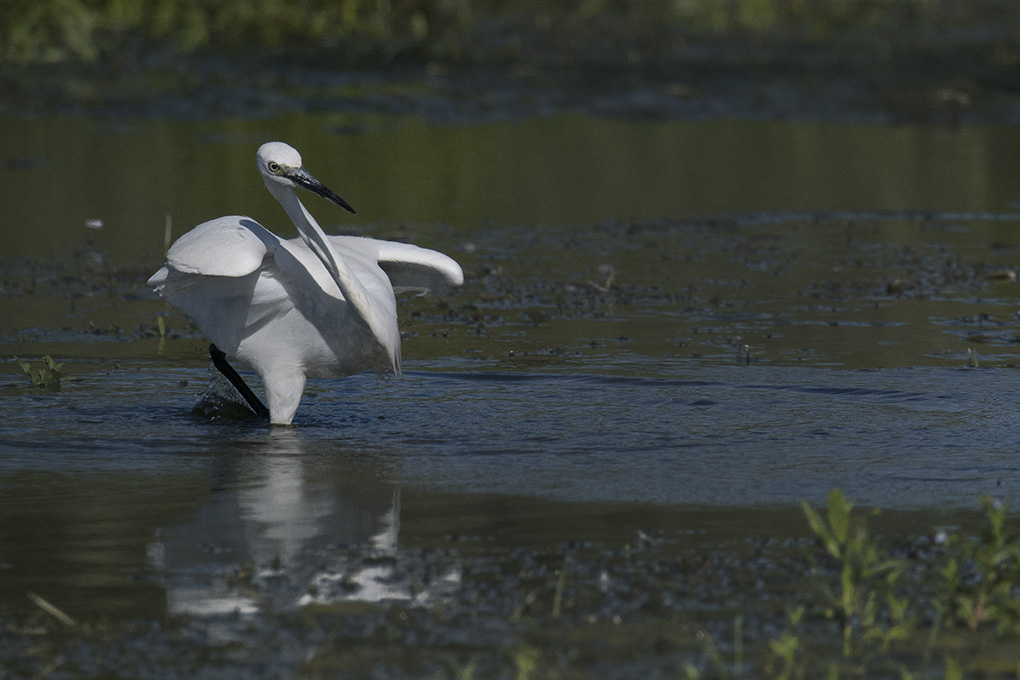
884, 618
869, 612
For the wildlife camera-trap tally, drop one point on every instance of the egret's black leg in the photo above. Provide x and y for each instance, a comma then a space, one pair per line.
219, 360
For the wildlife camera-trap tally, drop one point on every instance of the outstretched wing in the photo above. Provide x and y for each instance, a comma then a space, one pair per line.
420, 270
215, 274
409, 268
226, 246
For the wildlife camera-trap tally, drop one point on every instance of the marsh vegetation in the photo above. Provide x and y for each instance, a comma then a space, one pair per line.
374, 30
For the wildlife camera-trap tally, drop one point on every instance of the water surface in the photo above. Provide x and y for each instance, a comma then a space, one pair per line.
552, 171
679, 324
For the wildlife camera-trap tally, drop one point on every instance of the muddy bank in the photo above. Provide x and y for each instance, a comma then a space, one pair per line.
910, 288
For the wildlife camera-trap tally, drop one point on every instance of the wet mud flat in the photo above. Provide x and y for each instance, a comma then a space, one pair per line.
699, 602
852, 289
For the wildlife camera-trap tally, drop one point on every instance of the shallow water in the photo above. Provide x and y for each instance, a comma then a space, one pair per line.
682, 323
140, 508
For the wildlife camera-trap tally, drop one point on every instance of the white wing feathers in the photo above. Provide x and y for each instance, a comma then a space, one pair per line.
227, 246
409, 268
236, 246
414, 269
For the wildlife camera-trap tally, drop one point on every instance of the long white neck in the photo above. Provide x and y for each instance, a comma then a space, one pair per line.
312, 234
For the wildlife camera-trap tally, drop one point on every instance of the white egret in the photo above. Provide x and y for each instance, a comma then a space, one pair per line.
316, 306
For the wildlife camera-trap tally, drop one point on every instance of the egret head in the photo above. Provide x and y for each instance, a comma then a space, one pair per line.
280, 165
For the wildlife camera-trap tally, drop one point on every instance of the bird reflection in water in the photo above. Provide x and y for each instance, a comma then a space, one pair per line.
285, 527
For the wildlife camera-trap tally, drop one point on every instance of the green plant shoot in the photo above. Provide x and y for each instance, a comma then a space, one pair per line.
46, 376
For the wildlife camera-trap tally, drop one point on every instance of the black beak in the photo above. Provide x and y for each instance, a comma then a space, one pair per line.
304, 180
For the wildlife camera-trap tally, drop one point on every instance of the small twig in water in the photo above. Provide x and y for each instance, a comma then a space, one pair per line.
168, 229
52, 610
557, 609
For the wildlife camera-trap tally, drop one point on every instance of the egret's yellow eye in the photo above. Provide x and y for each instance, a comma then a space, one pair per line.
274, 167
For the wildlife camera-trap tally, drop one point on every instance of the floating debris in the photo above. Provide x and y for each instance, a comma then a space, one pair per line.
1003, 275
